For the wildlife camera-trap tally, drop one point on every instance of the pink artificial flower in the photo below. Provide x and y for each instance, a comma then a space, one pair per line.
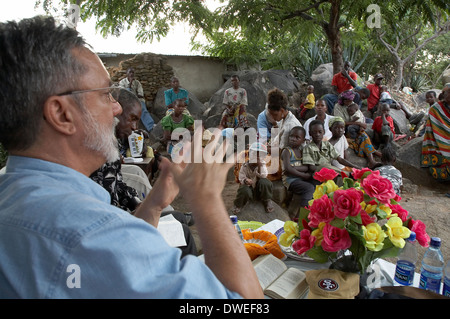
305, 243
359, 173
325, 174
379, 187
335, 239
366, 219
321, 210
419, 228
400, 211
347, 202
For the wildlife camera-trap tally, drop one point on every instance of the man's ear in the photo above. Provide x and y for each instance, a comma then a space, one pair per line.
59, 114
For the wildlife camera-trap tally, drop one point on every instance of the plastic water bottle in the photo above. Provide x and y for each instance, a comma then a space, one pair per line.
446, 290
234, 220
432, 267
406, 263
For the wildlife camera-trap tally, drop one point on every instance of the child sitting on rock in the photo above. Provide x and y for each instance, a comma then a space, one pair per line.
309, 103
383, 127
253, 179
295, 175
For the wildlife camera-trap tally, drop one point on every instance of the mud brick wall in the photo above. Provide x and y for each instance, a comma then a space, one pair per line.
150, 69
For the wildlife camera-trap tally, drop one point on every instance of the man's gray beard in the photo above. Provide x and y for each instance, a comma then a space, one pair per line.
101, 139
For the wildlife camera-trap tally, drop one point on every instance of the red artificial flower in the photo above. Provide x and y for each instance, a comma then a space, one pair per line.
335, 239
325, 174
347, 202
359, 173
378, 187
419, 228
305, 243
366, 219
305, 225
321, 210
400, 211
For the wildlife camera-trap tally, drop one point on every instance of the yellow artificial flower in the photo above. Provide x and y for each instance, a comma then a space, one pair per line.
320, 189
397, 232
318, 233
369, 208
374, 236
291, 231
387, 210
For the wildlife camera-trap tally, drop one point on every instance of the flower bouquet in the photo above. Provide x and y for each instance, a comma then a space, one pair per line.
362, 217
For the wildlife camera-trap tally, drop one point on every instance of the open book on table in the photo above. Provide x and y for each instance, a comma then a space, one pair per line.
277, 280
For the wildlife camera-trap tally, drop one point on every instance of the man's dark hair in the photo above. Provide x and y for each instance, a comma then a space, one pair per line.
316, 122
365, 91
388, 154
298, 128
432, 93
36, 62
127, 99
276, 100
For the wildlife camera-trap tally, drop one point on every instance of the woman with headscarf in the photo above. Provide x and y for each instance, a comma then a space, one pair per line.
355, 127
436, 140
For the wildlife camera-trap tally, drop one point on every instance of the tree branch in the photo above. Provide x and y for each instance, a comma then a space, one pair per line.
444, 29
301, 13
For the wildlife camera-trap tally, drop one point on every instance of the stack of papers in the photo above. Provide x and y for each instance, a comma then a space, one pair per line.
128, 160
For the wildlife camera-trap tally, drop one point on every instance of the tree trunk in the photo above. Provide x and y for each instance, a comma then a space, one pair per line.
399, 78
334, 36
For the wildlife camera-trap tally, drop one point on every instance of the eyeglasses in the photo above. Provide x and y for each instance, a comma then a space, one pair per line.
113, 92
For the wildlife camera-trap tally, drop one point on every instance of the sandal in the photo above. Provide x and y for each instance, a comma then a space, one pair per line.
268, 205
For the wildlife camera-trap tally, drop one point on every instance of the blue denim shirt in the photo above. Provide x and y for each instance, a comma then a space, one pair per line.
60, 238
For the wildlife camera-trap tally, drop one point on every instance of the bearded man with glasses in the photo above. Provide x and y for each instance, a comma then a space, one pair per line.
59, 235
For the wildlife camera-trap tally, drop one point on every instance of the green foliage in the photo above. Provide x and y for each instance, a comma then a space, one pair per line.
287, 34
418, 82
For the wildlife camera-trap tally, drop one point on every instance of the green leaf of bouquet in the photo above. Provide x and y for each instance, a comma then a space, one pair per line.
381, 213
348, 183
393, 202
365, 175
367, 198
356, 219
337, 222
318, 254
302, 215
406, 222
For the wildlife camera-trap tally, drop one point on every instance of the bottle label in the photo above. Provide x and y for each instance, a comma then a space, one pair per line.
404, 272
430, 281
446, 290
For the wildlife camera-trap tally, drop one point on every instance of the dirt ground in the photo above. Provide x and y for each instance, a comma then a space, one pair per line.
429, 205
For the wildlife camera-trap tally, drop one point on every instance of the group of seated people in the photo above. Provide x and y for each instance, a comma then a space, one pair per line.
323, 140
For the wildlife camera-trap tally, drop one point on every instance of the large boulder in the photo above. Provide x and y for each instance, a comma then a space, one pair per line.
401, 123
257, 84
408, 162
321, 79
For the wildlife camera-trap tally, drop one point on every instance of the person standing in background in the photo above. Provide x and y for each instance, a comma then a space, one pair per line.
133, 85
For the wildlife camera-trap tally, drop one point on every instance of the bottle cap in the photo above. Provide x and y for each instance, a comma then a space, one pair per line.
412, 237
435, 242
234, 218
